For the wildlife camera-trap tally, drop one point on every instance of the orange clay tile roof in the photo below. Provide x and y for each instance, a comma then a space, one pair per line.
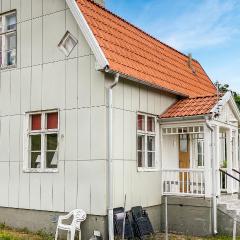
191, 107
134, 53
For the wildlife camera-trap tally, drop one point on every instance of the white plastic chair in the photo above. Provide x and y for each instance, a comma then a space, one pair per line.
78, 216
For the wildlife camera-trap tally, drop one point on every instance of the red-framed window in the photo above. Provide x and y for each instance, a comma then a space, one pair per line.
43, 140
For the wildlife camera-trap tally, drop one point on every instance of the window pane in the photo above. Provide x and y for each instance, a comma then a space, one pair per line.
141, 142
52, 141
183, 143
191, 129
52, 120
196, 129
151, 143
51, 154
151, 159
10, 41
150, 124
200, 160
36, 122
35, 142
52, 159
10, 57
141, 159
200, 147
11, 22
200, 152
35, 159
141, 122
69, 44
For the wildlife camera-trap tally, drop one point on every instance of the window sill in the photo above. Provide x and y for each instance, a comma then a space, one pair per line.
140, 169
8, 67
40, 171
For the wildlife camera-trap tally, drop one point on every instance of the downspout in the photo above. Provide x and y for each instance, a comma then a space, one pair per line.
214, 194
109, 158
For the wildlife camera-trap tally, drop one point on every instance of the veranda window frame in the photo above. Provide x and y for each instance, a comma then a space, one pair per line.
199, 139
3, 35
43, 132
145, 133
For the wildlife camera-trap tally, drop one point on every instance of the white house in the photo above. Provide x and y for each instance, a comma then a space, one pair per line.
93, 109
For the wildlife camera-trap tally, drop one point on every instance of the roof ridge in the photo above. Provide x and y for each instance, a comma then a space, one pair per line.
138, 28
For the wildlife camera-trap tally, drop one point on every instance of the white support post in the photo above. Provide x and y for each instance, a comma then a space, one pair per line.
217, 159
229, 160
207, 162
236, 150
212, 158
234, 228
235, 158
161, 156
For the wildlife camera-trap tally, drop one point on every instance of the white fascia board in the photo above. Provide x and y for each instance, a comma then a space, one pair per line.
221, 103
235, 108
228, 97
88, 34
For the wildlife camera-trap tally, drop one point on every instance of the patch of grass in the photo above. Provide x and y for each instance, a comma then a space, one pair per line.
44, 235
182, 237
2, 225
7, 233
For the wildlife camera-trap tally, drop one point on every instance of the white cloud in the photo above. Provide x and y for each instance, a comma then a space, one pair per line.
209, 23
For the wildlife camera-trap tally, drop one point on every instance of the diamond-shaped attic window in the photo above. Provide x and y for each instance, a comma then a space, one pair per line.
67, 43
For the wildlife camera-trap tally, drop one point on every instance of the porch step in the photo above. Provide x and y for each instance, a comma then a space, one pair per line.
230, 205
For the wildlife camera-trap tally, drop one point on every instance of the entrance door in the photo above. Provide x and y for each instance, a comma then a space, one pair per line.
184, 161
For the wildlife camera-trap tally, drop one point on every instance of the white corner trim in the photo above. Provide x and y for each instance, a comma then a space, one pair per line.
88, 34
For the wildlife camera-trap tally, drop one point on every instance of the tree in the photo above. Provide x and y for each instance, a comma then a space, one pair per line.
223, 88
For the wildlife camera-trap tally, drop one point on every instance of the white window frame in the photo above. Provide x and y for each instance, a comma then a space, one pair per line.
3, 35
201, 141
145, 133
43, 132
63, 41
196, 140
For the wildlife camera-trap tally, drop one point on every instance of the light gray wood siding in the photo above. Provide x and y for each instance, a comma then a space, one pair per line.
141, 187
46, 79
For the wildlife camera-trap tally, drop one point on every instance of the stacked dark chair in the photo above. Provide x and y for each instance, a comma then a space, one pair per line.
141, 223
118, 218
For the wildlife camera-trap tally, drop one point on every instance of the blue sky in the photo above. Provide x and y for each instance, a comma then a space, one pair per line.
209, 29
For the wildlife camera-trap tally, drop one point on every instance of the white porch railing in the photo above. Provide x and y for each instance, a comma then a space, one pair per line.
224, 180
235, 183
183, 182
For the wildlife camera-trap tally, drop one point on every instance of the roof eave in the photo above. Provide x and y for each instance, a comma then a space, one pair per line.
128, 77
88, 34
184, 118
